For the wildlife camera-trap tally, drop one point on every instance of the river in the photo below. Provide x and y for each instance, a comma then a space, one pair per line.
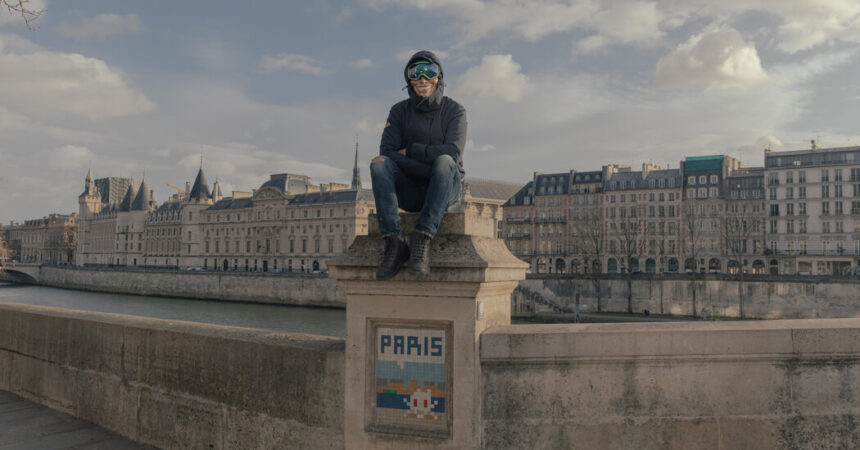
293, 319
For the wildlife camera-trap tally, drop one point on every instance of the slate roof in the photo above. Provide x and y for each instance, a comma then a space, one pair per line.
128, 199
142, 200
587, 177
634, 180
315, 198
552, 183
520, 197
200, 190
496, 190
231, 203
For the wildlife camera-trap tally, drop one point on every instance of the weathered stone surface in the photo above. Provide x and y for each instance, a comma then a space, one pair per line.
281, 289
673, 385
471, 278
769, 298
176, 384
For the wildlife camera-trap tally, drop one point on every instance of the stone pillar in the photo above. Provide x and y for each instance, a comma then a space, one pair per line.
413, 374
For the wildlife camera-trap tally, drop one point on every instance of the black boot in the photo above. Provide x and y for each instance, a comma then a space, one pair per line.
396, 253
419, 249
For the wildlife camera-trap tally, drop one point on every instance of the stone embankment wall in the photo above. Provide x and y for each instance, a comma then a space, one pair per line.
756, 384
304, 290
715, 385
764, 297
177, 384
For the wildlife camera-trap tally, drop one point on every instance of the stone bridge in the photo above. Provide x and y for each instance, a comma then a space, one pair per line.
21, 274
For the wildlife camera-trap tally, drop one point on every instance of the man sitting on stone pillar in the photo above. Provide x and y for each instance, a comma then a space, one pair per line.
419, 167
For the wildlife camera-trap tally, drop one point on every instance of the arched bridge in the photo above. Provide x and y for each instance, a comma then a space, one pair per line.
20, 274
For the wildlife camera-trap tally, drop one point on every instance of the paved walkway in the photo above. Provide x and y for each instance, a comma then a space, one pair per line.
25, 425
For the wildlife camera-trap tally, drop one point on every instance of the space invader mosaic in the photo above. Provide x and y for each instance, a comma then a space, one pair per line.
411, 378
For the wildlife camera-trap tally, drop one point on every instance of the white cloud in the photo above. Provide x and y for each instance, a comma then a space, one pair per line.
627, 21
497, 76
102, 26
363, 63
342, 16
69, 157
715, 59
472, 147
404, 55
49, 84
294, 62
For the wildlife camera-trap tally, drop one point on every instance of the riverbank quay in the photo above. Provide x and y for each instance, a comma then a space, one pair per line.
28, 425
717, 295
298, 289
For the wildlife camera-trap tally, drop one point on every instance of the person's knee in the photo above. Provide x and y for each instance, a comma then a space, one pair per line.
444, 162
378, 164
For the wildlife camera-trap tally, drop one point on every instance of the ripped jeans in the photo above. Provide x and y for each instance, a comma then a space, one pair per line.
393, 189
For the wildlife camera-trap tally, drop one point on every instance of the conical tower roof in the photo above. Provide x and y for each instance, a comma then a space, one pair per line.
89, 178
128, 199
142, 200
200, 190
356, 173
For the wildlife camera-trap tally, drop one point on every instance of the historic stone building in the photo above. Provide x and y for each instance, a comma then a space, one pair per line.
49, 240
813, 217
11, 237
643, 212
287, 225
654, 221
744, 222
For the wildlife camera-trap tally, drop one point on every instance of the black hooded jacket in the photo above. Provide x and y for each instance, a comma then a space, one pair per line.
425, 127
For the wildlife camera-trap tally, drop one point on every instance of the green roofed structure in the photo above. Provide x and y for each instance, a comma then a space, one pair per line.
703, 163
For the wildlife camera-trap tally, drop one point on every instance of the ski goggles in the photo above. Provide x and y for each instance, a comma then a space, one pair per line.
422, 69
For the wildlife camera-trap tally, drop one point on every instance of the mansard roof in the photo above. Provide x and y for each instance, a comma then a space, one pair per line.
523, 196
231, 203
328, 197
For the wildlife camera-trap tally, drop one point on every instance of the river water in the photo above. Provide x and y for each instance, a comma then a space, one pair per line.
293, 319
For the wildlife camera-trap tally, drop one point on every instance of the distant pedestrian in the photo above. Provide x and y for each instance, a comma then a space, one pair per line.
576, 317
419, 167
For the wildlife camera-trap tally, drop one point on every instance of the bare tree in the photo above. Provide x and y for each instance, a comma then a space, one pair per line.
737, 230
4, 252
693, 230
589, 240
21, 7
631, 246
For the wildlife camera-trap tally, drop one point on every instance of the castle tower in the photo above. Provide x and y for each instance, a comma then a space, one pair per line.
356, 173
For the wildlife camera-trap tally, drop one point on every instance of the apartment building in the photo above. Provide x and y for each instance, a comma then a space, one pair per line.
813, 217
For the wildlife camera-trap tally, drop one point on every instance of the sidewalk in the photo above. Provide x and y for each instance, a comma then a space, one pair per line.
25, 425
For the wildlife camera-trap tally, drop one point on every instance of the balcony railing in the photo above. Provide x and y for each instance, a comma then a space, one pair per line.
518, 235
519, 219
833, 252
550, 219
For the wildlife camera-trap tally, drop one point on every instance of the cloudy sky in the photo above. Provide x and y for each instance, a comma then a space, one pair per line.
272, 86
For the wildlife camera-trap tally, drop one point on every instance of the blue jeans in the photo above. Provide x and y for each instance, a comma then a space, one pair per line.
393, 189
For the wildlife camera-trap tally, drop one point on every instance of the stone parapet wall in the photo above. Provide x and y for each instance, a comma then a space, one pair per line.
768, 298
723, 385
176, 384
303, 290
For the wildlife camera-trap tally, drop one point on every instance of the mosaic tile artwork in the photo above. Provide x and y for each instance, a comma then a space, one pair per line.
411, 378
